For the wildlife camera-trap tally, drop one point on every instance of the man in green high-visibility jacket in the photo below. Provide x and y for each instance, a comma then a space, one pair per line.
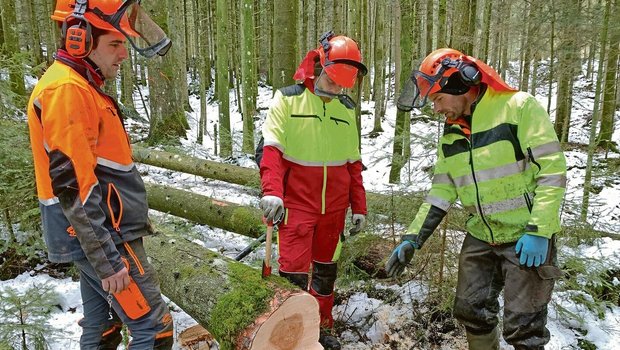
499, 155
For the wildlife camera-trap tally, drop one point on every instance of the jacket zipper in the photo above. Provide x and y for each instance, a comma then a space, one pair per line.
473, 174
528, 202
116, 222
324, 189
531, 156
134, 257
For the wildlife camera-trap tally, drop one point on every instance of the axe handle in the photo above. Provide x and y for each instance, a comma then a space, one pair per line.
268, 245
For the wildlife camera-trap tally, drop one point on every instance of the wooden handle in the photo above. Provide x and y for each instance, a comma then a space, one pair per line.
268, 245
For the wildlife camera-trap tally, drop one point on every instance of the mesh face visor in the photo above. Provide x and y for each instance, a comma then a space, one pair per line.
327, 87
416, 90
141, 31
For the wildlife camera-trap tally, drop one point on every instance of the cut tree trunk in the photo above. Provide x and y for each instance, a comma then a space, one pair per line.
204, 210
196, 166
398, 206
231, 300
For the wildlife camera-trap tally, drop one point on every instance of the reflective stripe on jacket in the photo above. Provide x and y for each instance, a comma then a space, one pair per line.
510, 174
90, 192
311, 155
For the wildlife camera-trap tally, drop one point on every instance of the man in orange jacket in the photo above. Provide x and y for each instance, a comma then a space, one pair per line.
92, 199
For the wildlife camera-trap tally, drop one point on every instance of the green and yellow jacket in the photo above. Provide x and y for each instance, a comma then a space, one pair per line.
508, 171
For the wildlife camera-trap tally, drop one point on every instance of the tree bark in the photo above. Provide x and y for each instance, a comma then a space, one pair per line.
201, 167
587, 183
385, 204
402, 124
11, 46
611, 82
35, 33
231, 300
284, 43
166, 77
127, 83
243, 220
248, 74
222, 78
429, 27
441, 24
378, 89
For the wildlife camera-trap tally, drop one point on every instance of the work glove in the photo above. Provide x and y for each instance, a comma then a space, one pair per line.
273, 208
358, 221
402, 255
532, 250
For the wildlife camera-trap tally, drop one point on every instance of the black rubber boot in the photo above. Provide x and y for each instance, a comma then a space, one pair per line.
328, 341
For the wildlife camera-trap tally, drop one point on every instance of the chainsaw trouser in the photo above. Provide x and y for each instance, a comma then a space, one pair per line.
308, 239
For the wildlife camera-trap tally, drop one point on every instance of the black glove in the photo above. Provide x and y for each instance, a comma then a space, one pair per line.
402, 255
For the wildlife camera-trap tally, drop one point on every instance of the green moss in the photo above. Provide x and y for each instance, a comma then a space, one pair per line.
245, 220
187, 272
237, 309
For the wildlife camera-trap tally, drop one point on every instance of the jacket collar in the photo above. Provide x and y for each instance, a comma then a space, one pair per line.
85, 67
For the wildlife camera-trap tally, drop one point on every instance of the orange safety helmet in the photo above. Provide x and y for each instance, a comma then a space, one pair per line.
341, 59
434, 75
438, 73
64, 9
122, 16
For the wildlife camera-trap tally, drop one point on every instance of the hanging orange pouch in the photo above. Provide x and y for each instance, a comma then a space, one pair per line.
131, 299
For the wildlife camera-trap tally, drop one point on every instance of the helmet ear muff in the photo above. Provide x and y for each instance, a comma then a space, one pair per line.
470, 75
78, 37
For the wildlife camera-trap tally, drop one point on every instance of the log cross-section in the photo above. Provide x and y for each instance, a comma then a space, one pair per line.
242, 310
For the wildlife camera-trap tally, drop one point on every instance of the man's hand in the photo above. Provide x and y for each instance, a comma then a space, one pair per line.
117, 282
401, 256
532, 250
273, 208
358, 221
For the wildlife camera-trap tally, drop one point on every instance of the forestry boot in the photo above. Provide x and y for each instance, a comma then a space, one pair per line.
328, 341
489, 341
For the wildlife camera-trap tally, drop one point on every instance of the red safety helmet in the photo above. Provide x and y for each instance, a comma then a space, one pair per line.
341, 59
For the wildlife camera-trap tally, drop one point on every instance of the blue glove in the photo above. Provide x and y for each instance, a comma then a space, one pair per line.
401, 255
533, 250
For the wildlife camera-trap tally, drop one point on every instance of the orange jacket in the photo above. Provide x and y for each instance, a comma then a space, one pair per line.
90, 192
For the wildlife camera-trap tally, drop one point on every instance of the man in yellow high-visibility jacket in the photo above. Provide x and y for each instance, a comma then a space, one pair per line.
500, 156
311, 169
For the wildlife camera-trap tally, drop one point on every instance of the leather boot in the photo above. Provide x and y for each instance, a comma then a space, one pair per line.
328, 341
489, 341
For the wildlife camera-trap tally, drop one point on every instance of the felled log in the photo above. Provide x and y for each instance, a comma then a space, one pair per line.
196, 166
399, 207
204, 210
231, 300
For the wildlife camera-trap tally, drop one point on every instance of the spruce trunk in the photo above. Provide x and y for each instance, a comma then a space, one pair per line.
231, 300
397, 206
205, 210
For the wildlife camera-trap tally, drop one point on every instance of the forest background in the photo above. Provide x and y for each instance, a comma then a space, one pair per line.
225, 52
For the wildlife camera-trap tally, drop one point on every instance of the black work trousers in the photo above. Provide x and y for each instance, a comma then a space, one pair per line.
484, 270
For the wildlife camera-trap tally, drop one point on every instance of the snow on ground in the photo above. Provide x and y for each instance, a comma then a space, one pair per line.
377, 322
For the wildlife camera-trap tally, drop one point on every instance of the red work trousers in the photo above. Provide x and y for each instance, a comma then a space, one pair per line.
308, 240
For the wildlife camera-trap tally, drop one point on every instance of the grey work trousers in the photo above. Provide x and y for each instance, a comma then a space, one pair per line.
484, 270
151, 331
